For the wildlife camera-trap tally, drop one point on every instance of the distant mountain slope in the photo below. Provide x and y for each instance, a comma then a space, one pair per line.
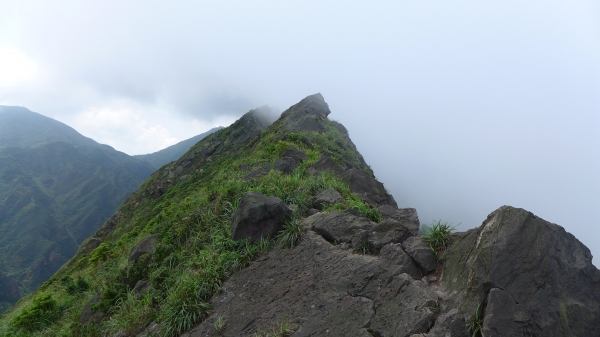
160, 158
57, 187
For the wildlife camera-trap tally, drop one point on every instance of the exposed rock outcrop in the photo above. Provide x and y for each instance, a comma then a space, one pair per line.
530, 277
420, 251
522, 275
323, 290
146, 246
370, 190
259, 216
327, 198
326, 164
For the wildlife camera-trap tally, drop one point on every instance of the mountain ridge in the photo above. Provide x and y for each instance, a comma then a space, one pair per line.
348, 261
160, 158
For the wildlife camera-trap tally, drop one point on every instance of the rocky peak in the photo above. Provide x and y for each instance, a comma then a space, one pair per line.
306, 115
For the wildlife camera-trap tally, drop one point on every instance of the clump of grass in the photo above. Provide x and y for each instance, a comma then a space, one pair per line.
438, 236
363, 249
436, 307
353, 202
131, 314
220, 323
475, 323
283, 329
291, 234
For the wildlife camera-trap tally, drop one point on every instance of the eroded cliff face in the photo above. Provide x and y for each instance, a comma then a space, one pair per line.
529, 276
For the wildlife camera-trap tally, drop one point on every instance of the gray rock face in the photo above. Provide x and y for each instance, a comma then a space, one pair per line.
328, 197
368, 188
291, 158
403, 308
261, 171
307, 114
358, 231
325, 164
146, 246
321, 290
406, 216
141, 286
91, 316
259, 216
450, 324
394, 254
420, 251
503, 316
537, 279
293, 152
286, 165
388, 231
342, 227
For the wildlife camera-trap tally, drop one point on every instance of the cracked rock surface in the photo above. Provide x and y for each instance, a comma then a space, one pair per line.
515, 275
321, 289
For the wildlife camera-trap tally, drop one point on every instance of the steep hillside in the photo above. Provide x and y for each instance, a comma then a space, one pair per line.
57, 187
173, 152
280, 229
184, 211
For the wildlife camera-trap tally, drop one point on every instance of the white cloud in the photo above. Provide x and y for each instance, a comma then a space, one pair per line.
125, 127
15, 66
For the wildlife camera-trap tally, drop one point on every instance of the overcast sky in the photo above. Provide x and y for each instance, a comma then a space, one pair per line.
458, 106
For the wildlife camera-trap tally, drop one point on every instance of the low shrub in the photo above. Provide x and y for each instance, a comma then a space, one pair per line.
43, 312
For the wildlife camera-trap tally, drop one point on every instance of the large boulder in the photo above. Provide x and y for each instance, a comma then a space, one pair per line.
368, 188
292, 152
342, 228
146, 246
421, 252
403, 308
394, 255
325, 164
291, 158
88, 315
537, 279
406, 216
326, 198
388, 231
259, 216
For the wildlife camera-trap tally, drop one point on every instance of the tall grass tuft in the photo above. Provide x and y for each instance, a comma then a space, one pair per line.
291, 234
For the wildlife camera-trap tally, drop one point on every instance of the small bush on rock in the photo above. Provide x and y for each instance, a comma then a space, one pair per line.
438, 236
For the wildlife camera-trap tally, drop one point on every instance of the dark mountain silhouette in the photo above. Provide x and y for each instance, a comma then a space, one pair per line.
57, 187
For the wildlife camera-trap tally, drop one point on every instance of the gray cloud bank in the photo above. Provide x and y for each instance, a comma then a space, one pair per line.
459, 108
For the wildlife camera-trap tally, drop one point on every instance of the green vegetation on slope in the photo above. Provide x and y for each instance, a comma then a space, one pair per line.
57, 188
173, 152
192, 218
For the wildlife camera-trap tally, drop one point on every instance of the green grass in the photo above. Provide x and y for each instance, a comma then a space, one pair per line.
195, 252
219, 324
291, 234
282, 329
475, 323
439, 235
